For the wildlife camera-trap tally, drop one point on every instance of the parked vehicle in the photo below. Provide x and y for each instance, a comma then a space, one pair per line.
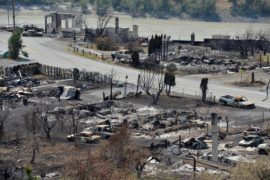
123, 55
255, 131
69, 93
264, 149
266, 69
32, 33
89, 137
104, 131
251, 141
72, 137
236, 101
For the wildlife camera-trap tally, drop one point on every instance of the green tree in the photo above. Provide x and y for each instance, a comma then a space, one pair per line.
204, 88
76, 75
15, 44
169, 78
28, 170
135, 58
84, 6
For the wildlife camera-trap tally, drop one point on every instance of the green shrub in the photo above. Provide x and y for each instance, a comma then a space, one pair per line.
106, 44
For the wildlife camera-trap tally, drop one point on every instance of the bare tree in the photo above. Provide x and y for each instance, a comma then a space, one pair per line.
34, 140
117, 158
46, 118
3, 117
152, 80
263, 41
104, 16
86, 29
245, 43
112, 77
72, 123
48, 122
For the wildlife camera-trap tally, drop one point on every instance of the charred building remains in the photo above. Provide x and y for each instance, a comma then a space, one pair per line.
117, 34
62, 22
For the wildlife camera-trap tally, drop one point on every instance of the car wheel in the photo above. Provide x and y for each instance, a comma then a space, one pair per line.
263, 152
224, 103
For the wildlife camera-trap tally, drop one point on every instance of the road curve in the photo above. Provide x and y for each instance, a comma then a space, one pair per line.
51, 52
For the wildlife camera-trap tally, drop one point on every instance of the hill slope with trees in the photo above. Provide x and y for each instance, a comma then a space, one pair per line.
200, 9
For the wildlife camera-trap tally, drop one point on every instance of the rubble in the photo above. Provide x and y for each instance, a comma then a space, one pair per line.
69, 93
172, 135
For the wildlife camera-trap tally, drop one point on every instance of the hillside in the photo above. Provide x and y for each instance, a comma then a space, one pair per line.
212, 10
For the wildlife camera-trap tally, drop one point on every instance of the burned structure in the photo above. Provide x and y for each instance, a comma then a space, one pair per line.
117, 34
62, 22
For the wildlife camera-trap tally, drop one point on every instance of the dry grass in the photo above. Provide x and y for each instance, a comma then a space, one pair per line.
51, 148
223, 5
252, 171
5, 151
207, 176
247, 83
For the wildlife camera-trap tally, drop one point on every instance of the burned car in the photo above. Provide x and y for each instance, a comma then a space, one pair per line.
69, 93
193, 143
251, 141
32, 33
236, 101
264, 149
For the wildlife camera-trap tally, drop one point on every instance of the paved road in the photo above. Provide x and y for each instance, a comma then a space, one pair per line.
51, 52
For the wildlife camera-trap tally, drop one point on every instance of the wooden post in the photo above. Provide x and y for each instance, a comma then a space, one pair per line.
249, 121
180, 141
183, 100
253, 77
260, 60
263, 117
268, 125
1, 103
55, 72
125, 91
138, 83
227, 124
103, 96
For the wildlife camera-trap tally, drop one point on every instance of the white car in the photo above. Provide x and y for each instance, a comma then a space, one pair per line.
236, 101
251, 141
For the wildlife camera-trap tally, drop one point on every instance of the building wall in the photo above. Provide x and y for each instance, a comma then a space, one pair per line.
60, 22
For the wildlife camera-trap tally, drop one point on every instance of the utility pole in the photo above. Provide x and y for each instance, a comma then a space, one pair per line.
125, 90
214, 130
8, 12
13, 7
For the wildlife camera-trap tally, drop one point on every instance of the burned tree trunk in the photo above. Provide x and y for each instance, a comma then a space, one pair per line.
252, 77
227, 124
3, 117
267, 91
204, 88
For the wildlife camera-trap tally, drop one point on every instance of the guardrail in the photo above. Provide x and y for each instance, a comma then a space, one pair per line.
78, 48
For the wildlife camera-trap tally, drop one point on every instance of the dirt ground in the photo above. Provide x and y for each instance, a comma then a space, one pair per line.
238, 117
231, 79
